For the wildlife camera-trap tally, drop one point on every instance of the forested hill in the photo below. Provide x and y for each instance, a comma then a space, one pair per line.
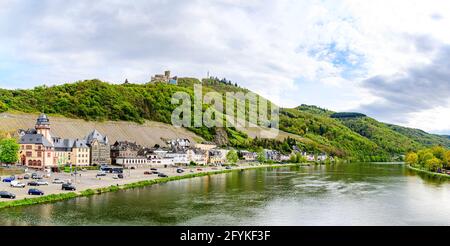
347, 135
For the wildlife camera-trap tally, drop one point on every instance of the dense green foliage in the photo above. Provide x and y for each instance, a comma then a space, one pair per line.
431, 159
345, 115
351, 136
298, 158
422, 137
8, 151
314, 109
3, 107
379, 133
232, 157
330, 136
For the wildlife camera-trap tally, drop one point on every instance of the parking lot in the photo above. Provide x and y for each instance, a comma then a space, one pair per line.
88, 180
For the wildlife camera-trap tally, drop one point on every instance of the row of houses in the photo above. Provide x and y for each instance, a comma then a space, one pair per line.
179, 152
40, 149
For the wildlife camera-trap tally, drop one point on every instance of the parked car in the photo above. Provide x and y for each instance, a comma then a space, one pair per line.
153, 169
100, 174
35, 192
42, 182
6, 194
67, 186
8, 179
20, 177
120, 176
33, 183
26, 176
162, 175
115, 176
58, 181
199, 169
155, 172
17, 184
147, 172
35, 176
179, 170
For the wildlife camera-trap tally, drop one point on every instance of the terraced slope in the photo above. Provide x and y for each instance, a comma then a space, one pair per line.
147, 134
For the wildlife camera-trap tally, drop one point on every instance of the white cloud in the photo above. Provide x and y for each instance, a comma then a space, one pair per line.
276, 48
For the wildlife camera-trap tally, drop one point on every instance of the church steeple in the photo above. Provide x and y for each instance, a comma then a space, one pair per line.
43, 126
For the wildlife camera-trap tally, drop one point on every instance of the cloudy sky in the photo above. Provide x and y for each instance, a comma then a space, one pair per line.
388, 59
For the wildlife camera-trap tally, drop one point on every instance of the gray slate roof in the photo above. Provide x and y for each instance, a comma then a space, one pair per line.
95, 135
35, 139
43, 120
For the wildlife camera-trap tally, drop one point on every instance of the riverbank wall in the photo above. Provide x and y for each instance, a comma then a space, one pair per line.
433, 174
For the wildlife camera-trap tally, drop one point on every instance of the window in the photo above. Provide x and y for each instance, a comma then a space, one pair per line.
29, 147
29, 154
39, 154
49, 154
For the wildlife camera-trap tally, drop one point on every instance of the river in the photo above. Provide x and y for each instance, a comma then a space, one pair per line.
344, 194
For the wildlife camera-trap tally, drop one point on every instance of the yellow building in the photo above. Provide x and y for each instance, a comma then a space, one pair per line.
36, 147
40, 150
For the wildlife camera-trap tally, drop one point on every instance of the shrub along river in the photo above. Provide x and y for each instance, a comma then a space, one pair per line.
343, 194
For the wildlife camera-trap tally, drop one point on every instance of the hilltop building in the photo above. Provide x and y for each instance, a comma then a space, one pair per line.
164, 78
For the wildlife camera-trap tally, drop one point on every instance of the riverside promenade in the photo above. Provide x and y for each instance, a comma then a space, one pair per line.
87, 180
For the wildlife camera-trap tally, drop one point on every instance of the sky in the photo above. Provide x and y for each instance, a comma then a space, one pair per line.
387, 59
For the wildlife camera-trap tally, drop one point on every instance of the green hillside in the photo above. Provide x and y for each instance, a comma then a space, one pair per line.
348, 135
330, 135
379, 133
421, 136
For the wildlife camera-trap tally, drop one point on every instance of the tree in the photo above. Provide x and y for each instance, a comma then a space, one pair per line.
433, 164
9, 149
232, 157
293, 159
301, 158
447, 155
424, 156
3, 107
411, 159
261, 156
439, 152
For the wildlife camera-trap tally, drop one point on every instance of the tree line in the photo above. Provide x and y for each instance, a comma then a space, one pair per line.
433, 159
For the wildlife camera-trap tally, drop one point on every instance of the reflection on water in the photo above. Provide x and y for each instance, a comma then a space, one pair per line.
345, 194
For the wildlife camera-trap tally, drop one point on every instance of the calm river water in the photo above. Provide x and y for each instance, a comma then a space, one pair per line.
345, 194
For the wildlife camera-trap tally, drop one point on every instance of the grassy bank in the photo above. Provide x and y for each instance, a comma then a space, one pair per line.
113, 188
432, 174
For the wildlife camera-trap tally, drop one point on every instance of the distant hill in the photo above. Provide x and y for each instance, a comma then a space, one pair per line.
347, 115
314, 129
422, 137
